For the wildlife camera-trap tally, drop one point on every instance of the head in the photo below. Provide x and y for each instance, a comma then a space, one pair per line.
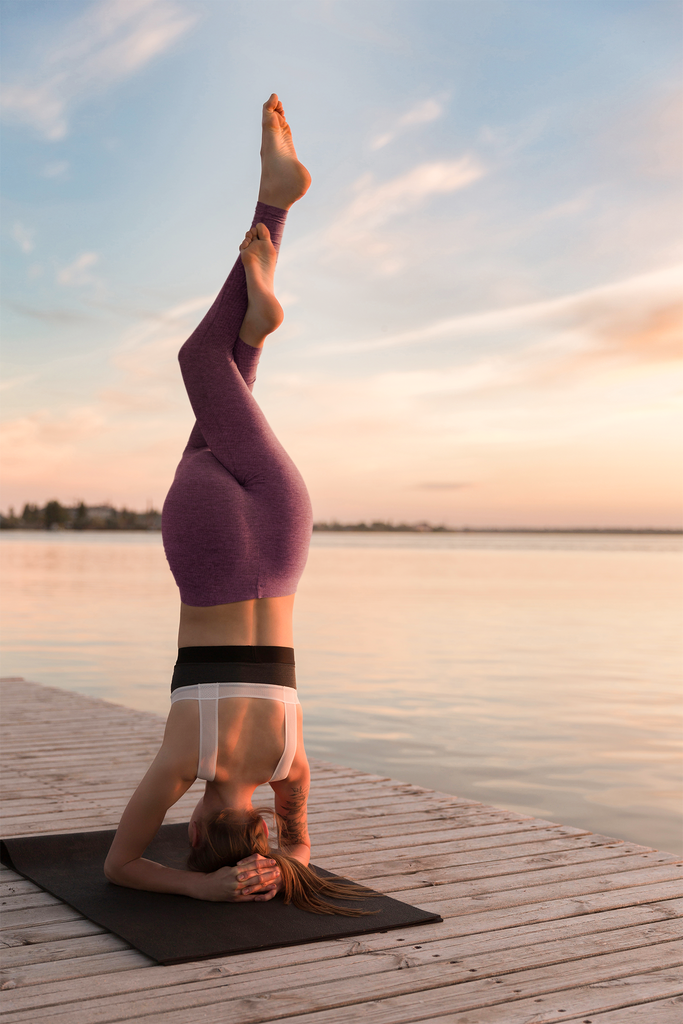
229, 836
226, 837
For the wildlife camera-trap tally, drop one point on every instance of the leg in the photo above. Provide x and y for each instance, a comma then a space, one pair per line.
245, 312
237, 519
264, 313
220, 328
284, 180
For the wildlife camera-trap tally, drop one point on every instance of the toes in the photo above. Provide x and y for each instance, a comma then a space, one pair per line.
248, 238
262, 232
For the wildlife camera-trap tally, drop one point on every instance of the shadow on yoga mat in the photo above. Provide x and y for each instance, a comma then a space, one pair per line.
172, 929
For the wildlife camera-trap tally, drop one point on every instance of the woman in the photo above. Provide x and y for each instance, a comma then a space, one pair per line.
236, 529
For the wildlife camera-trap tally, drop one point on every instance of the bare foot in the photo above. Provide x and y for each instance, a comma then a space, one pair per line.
283, 178
264, 313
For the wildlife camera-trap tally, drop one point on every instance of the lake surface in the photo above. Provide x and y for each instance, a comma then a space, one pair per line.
536, 672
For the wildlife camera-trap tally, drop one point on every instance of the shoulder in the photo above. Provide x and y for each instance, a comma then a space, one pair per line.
180, 745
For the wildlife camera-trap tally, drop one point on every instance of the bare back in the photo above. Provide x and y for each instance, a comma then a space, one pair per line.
250, 739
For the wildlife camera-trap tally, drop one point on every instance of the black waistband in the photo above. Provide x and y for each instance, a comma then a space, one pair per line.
270, 665
249, 655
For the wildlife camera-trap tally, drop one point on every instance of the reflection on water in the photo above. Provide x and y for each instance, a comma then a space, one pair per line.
539, 673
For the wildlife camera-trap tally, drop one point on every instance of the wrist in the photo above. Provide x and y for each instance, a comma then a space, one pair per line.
193, 884
298, 851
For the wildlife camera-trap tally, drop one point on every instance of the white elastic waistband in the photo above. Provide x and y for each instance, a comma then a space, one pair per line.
215, 691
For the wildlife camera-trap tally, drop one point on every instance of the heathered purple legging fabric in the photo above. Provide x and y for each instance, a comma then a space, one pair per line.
237, 520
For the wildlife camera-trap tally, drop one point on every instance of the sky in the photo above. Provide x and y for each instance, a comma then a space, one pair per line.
482, 289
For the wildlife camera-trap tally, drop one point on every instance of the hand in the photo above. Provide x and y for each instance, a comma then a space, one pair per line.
255, 878
259, 878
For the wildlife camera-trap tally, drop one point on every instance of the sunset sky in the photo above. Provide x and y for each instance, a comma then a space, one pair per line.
482, 288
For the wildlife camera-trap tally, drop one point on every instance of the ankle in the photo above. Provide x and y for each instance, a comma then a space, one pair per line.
272, 196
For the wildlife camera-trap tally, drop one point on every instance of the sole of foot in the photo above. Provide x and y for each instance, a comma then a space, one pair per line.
264, 313
284, 179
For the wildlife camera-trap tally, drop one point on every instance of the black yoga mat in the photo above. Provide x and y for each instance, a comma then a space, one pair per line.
173, 929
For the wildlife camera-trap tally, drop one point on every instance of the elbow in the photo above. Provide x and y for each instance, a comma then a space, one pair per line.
112, 872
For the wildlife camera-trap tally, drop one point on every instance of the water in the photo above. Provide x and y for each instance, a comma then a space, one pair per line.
538, 673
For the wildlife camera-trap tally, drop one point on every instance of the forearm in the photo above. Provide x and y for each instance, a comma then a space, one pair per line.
152, 877
291, 804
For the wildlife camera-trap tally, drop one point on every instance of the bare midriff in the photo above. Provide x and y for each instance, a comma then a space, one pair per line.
265, 621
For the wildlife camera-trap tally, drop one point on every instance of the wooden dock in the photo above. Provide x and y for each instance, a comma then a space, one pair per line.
542, 922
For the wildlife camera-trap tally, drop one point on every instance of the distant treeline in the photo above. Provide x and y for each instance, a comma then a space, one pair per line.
55, 516
380, 526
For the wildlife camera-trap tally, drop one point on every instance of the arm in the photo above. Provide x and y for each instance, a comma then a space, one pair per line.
162, 786
291, 800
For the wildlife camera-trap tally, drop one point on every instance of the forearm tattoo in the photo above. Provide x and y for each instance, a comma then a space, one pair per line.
293, 827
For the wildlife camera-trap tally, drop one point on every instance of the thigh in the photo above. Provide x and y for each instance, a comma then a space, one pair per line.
210, 533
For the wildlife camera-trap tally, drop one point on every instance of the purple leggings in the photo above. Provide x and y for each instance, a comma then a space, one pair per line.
237, 520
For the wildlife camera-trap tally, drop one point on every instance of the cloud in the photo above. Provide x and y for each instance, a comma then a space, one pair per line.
656, 335
50, 316
23, 236
109, 42
16, 382
90, 451
40, 443
645, 137
55, 169
77, 274
487, 442
420, 113
445, 485
374, 204
637, 318
149, 381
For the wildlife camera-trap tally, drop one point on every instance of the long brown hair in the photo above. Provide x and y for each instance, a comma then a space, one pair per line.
229, 836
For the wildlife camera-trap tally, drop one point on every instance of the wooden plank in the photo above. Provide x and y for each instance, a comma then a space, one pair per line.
22, 901
430, 838
57, 911
398, 824
518, 846
579, 889
535, 938
486, 935
418, 966
21, 956
588, 854
583, 1000
8, 875
661, 1011
65, 969
17, 887
56, 931
493, 840
442, 988
473, 882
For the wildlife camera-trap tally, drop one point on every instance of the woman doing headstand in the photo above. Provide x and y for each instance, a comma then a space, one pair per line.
236, 528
